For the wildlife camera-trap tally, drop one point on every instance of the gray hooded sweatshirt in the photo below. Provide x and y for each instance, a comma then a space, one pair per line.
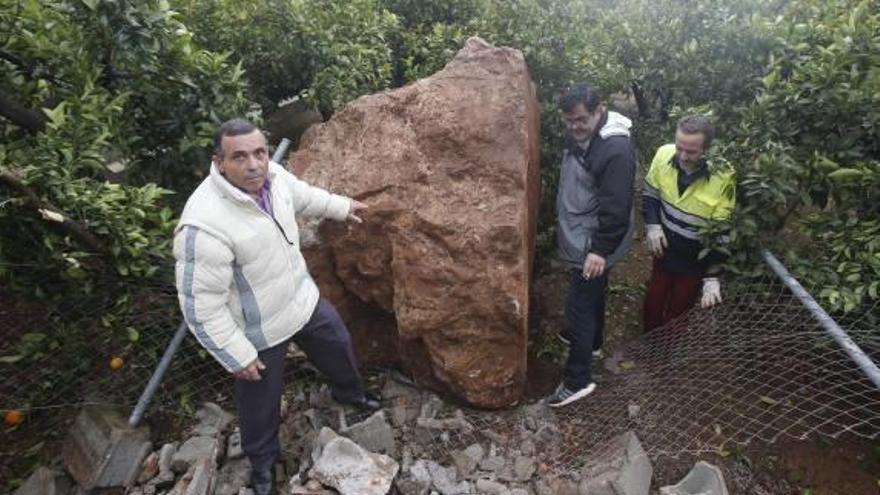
594, 202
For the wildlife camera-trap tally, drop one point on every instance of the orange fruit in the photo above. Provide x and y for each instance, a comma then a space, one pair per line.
13, 417
116, 363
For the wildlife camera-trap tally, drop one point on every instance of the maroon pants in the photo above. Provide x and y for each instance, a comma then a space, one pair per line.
669, 295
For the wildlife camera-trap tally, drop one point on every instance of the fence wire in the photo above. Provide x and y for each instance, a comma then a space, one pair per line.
754, 369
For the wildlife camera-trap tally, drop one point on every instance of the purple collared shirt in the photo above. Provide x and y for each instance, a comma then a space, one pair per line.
264, 198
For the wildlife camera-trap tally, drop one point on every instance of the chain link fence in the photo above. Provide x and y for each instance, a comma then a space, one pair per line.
91, 348
753, 370
757, 368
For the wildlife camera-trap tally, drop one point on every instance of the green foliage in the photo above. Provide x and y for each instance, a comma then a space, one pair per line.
848, 275
792, 87
351, 39
265, 37
691, 53
415, 13
430, 47
548, 346
809, 149
63, 165
127, 102
175, 91
329, 52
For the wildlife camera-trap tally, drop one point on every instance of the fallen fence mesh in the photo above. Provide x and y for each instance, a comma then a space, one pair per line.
755, 369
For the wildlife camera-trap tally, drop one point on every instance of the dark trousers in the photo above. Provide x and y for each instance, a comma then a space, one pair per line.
327, 343
585, 326
669, 295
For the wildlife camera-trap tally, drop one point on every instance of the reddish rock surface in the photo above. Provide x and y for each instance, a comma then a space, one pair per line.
436, 279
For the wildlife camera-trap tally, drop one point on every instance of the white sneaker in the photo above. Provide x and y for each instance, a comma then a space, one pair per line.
563, 396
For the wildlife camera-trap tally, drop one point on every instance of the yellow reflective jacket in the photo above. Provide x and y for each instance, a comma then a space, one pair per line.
710, 197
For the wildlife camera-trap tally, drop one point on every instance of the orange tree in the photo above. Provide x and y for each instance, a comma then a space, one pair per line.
156, 94
808, 151
326, 52
106, 105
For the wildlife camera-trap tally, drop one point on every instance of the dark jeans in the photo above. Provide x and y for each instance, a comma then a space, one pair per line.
585, 324
669, 295
327, 343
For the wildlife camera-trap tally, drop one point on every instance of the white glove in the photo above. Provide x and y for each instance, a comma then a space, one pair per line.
656, 239
711, 292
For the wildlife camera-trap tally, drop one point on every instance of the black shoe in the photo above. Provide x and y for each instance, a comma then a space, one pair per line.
263, 483
370, 403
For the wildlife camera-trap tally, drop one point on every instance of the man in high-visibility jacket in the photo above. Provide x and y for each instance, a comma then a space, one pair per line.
681, 195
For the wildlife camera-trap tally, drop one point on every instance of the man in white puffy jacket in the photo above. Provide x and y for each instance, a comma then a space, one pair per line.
245, 290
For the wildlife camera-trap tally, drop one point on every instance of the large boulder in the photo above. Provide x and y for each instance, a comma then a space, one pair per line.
437, 278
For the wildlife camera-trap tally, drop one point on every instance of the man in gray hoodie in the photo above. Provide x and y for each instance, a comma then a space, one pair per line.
595, 224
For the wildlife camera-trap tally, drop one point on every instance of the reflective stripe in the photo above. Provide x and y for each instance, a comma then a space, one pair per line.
671, 225
253, 324
189, 304
683, 225
685, 217
671, 210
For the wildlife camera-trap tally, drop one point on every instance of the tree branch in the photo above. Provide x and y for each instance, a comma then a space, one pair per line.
28, 118
639, 96
51, 214
12, 59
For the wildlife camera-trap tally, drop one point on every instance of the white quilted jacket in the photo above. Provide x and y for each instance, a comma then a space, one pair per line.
242, 281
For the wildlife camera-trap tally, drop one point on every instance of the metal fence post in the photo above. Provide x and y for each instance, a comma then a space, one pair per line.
153, 384
281, 150
851, 348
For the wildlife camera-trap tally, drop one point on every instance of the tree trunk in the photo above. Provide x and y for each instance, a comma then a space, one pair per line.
641, 104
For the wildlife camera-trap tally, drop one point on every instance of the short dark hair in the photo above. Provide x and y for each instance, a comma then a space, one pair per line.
580, 94
234, 127
697, 124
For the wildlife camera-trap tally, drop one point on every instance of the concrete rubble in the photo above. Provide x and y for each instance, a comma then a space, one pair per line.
622, 467
102, 451
329, 449
703, 479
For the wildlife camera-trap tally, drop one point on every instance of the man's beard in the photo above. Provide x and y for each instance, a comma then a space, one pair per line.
580, 138
690, 166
